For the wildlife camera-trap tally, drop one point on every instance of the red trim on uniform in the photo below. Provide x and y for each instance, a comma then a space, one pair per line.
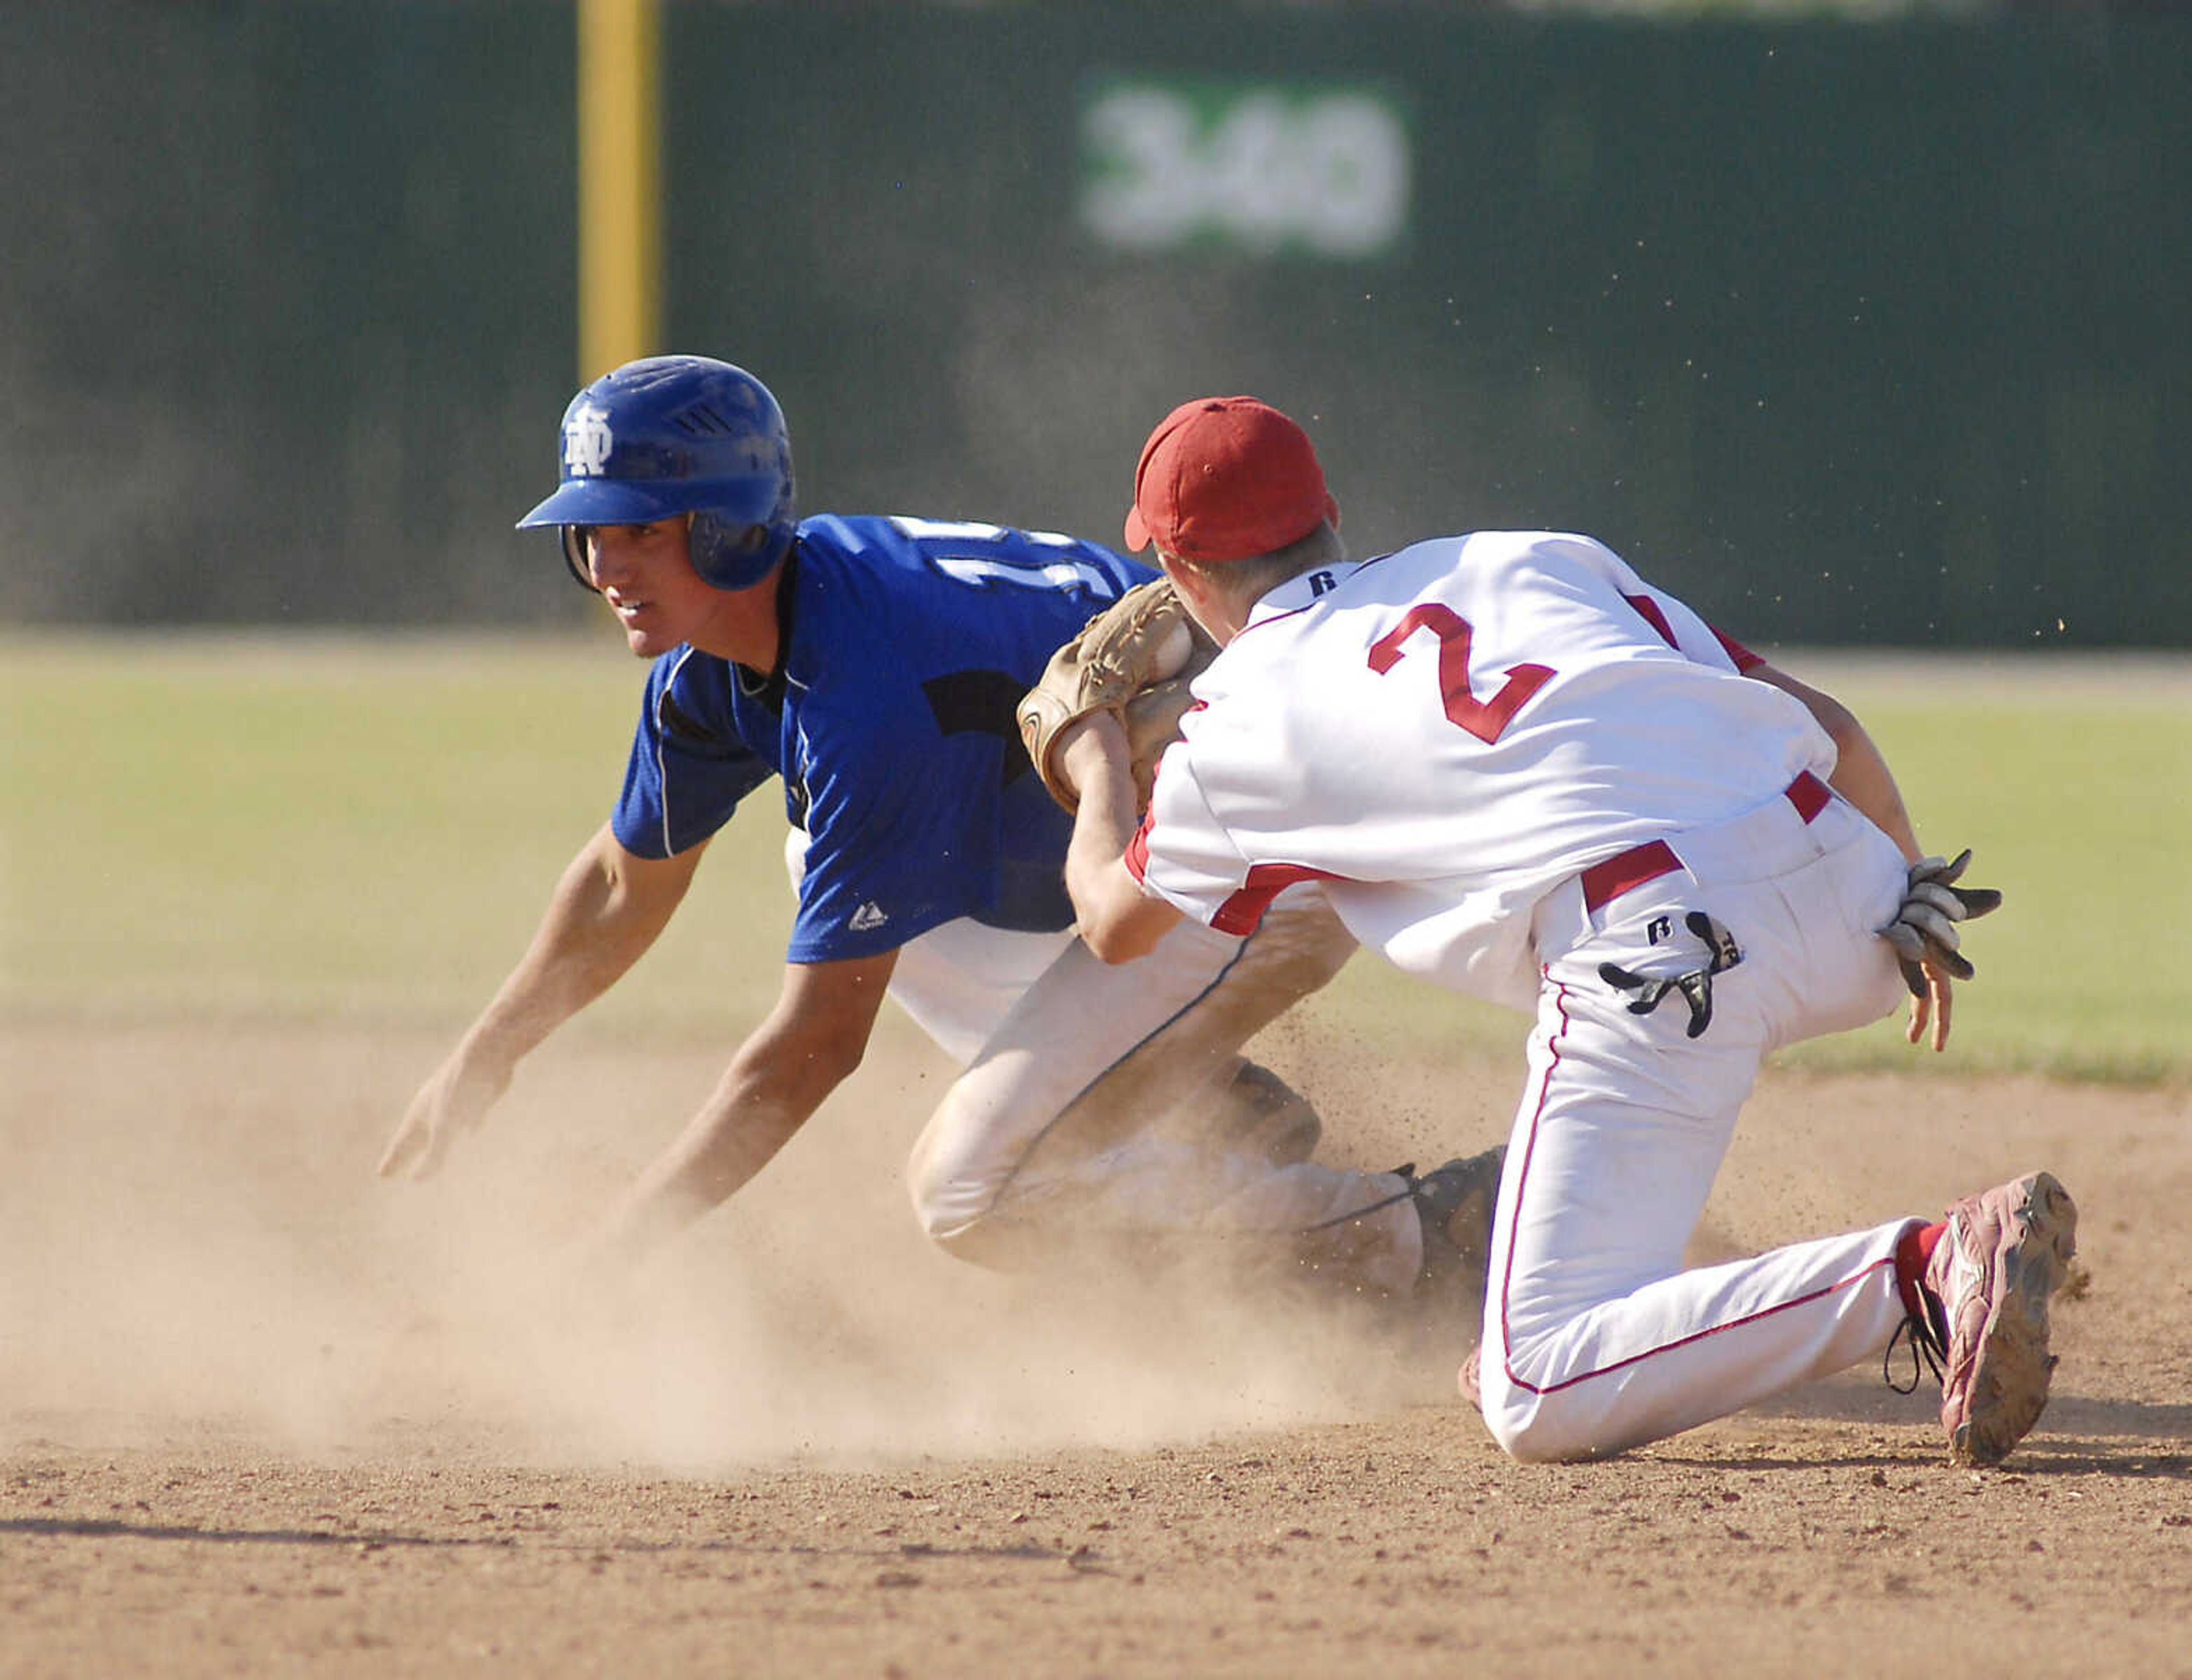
1749, 1318
1809, 795
1648, 610
1523, 1172
1138, 850
1522, 1192
1913, 1253
1746, 661
1624, 872
1240, 913
1603, 883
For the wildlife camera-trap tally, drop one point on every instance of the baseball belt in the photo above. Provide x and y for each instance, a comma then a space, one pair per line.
1625, 871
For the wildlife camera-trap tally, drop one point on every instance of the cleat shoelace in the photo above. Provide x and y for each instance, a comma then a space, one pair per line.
1926, 1345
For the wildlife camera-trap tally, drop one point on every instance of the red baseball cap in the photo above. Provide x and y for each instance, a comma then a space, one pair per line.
1225, 477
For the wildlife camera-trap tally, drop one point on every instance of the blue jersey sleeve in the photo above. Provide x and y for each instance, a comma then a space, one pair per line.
690, 766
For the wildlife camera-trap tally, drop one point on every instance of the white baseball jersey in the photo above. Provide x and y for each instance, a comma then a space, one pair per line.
1445, 733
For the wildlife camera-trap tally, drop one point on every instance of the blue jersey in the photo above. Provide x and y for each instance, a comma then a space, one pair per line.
907, 644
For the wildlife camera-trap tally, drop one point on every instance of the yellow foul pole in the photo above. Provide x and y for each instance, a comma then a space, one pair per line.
619, 171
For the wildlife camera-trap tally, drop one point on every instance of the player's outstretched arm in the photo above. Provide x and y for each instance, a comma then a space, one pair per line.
788, 1066
1118, 921
610, 906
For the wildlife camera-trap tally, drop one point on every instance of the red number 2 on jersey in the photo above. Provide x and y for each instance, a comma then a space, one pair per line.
1483, 719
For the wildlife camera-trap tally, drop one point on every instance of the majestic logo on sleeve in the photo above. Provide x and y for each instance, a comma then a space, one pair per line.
587, 442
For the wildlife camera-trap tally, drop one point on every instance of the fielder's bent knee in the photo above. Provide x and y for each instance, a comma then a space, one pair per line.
1532, 1441
1536, 1428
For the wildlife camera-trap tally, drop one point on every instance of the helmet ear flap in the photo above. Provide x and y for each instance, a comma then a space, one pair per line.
735, 555
574, 556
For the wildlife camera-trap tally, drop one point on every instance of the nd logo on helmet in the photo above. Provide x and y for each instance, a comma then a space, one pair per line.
587, 442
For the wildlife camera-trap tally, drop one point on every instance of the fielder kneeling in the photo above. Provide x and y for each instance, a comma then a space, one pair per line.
1516, 769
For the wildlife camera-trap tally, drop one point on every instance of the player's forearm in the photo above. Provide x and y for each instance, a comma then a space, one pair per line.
1096, 877
715, 1158
765, 1096
1116, 921
568, 966
602, 918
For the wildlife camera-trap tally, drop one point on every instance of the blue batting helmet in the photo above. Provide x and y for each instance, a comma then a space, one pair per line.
673, 435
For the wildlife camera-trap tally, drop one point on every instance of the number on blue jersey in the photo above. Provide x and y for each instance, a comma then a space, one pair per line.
979, 555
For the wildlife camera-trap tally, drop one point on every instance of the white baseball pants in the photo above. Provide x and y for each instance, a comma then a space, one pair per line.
1052, 1135
1595, 1339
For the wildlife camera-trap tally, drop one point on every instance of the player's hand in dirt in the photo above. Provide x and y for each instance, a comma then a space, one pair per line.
1927, 942
455, 1099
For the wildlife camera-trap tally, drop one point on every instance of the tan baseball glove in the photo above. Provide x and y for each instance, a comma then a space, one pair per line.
1134, 659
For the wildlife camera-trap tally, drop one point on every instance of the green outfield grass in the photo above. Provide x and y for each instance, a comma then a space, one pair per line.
316, 826
321, 827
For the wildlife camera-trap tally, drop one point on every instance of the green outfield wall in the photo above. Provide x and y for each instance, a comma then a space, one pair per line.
1853, 334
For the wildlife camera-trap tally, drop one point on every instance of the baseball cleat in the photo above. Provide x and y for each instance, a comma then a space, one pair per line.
2004, 1252
1260, 1112
1455, 1202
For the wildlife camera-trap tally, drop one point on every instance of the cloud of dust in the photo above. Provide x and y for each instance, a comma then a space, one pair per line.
190, 1235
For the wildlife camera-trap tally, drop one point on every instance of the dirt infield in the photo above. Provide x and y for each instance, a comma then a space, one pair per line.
258, 1411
